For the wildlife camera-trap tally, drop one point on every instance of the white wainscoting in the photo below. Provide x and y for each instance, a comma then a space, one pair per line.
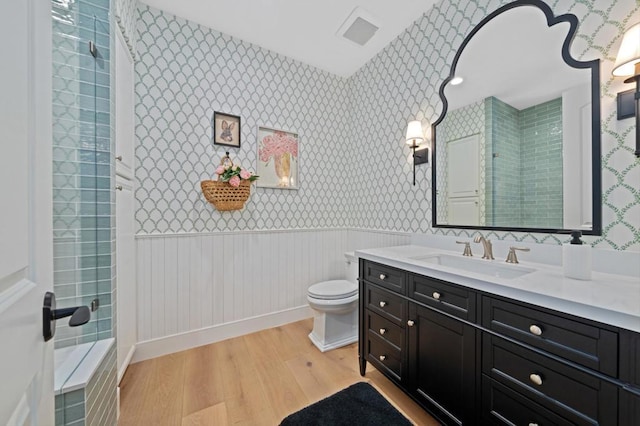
195, 289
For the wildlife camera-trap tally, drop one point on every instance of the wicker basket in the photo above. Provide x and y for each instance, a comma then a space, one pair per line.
225, 197
222, 195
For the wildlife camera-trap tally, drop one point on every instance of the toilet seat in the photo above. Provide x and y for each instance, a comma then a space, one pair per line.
333, 290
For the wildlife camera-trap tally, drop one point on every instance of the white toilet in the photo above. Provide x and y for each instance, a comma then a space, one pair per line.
335, 305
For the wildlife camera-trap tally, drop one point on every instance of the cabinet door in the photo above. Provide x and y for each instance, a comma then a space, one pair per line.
629, 406
124, 109
126, 274
442, 370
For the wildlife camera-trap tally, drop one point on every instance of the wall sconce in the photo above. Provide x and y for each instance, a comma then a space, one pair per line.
628, 64
415, 136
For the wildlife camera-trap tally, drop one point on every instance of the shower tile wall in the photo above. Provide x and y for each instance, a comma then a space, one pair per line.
94, 404
504, 186
526, 148
541, 157
81, 170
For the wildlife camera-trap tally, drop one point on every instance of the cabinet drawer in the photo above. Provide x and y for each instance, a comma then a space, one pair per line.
555, 385
576, 341
384, 356
446, 297
385, 329
387, 304
502, 406
384, 276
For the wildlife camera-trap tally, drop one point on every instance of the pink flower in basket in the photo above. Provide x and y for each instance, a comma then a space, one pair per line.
245, 174
220, 170
234, 181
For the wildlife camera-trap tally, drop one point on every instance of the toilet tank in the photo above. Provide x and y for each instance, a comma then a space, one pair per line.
351, 267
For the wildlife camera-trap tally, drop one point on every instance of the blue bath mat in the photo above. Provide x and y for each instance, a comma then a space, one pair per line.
357, 405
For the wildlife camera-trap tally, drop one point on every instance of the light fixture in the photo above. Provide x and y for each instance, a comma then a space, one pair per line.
414, 137
628, 64
456, 80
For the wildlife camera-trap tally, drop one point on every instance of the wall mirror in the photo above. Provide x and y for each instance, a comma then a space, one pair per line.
517, 146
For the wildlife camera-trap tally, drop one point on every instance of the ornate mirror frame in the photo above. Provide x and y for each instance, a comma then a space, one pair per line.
593, 65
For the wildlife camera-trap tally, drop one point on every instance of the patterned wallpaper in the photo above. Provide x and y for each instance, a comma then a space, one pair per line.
185, 73
126, 13
401, 84
355, 168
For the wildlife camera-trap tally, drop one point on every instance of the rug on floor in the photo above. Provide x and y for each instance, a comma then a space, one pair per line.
357, 405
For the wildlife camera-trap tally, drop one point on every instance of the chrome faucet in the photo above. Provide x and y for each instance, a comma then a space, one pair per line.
486, 244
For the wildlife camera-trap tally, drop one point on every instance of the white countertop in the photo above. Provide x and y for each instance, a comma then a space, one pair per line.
607, 298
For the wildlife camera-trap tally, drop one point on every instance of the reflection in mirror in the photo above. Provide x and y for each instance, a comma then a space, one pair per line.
516, 139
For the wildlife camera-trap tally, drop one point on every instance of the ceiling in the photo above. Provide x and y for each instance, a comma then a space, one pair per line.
304, 30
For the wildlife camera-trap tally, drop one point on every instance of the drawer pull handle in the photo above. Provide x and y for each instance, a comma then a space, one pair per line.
383, 276
533, 424
534, 329
535, 379
382, 357
436, 295
382, 303
410, 323
383, 330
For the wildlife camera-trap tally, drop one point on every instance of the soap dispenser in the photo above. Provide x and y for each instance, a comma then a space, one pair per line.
576, 258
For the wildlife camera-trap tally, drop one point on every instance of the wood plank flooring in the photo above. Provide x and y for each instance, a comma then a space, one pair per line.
257, 379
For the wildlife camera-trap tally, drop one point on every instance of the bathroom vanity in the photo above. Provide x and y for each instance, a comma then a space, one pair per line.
482, 342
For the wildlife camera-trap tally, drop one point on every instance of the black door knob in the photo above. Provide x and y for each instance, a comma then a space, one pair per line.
79, 315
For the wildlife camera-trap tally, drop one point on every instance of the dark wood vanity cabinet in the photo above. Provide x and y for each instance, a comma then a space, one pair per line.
441, 367
630, 375
424, 347
475, 358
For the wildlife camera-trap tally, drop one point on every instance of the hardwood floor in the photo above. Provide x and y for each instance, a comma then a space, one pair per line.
257, 379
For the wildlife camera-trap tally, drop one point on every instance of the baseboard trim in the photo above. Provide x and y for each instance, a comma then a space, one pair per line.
204, 336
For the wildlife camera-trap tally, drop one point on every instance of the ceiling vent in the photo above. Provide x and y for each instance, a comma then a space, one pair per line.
359, 27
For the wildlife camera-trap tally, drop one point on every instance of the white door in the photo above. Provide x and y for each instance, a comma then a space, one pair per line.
124, 110
26, 259
463, 164
464, 211
463, 181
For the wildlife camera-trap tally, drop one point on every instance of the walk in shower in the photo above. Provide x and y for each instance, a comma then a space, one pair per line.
82, 197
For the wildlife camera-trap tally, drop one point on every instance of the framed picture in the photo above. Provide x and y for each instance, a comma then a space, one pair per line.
277, 159
226, 129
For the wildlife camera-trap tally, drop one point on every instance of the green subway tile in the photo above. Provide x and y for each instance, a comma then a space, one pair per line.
74, 412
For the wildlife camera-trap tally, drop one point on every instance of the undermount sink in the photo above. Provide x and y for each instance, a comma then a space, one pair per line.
478, 266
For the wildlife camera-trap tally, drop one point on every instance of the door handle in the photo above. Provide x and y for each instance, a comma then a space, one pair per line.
79, 315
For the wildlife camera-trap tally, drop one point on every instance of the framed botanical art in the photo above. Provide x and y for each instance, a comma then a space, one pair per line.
226, 129
277, 159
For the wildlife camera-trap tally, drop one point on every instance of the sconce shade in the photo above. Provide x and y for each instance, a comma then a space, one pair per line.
629, 53
414, 133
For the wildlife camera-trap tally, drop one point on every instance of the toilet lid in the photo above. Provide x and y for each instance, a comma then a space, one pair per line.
330, 290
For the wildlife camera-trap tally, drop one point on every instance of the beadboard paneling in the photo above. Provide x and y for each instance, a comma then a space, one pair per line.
191, 281
187, 282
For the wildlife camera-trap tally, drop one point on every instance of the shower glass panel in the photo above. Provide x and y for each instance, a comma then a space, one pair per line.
81, 173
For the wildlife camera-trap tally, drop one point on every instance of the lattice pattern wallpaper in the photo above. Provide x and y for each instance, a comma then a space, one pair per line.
355, 168
185, 72
401, 84
126, 13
